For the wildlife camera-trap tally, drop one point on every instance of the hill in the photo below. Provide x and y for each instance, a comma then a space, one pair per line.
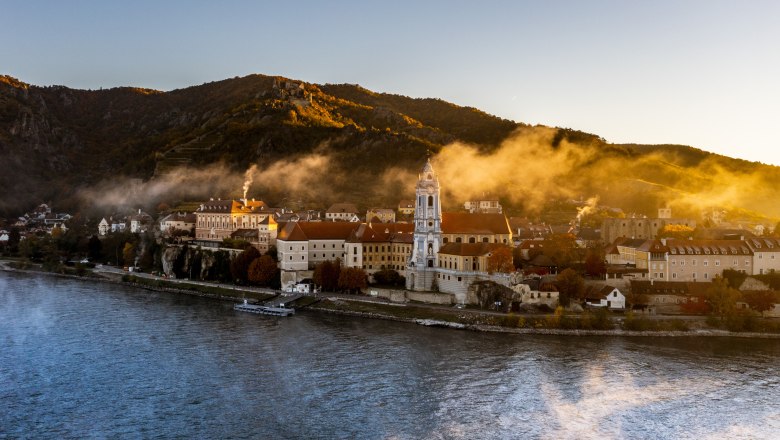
302, 144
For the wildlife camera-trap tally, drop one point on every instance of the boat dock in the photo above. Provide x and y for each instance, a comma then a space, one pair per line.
264, 310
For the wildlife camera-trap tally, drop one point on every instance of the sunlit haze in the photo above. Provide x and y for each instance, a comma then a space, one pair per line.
700, 73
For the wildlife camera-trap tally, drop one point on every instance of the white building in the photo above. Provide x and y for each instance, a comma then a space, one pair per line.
609, 297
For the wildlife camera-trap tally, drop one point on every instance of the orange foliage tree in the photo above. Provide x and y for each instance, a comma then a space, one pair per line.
500, 260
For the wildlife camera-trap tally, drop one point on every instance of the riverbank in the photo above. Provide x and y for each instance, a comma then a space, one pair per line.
586, 324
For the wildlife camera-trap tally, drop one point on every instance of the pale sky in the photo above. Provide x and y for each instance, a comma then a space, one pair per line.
700, 73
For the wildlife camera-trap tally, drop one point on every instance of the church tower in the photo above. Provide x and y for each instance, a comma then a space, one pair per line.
427, 231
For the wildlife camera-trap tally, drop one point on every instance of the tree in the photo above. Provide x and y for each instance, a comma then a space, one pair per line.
14, 237
239, 267
262, 270
570, 286
681, 232
128, 254
562, 249
722, 298
500, 260
352, 279
94, 248
760, 301
595, 264
387, 277
326, 274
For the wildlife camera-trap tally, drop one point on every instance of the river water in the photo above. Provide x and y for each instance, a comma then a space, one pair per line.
85, 360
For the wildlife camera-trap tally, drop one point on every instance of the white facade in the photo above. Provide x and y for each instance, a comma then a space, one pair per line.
103, 227
613, 300
427, 231
293, 255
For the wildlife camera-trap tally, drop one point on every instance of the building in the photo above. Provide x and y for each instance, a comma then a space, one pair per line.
178, 221
374, 247
302, 245
609, 297
485, 206
766, 254
244, 219
103, 227
406, 207
140, 222
454, 270
460, 264
381, 215
342, 212
640, 227
702, 260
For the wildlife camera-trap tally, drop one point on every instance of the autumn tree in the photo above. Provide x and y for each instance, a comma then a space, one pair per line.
562, 249
761, 301
570, 286
500, 260
722, 298
239, 267
262, 270
595, 261
128, 254
681, 232
352, 279
326, 274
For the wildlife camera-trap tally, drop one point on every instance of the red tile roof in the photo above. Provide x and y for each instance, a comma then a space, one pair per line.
466, 223
304, 231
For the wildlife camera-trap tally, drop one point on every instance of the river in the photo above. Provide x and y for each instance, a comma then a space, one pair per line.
92, 360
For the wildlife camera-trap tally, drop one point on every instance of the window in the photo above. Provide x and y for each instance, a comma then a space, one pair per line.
674, 275
430, 201
706, 262
717, 262
472, 240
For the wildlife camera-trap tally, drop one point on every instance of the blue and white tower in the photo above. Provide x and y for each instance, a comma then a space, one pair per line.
427, 231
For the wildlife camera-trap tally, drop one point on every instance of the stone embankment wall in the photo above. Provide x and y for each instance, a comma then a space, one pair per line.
402, 296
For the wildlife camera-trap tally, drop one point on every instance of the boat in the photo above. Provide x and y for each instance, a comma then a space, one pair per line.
263, 310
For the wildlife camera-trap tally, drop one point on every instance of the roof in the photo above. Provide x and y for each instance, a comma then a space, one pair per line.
339, 208
708, 247
383, 233
763, 244
470, 249
601, 293
180, 217
233, 206
305, 231
466, 223
630, 242
406, 204
653, 246
245, 233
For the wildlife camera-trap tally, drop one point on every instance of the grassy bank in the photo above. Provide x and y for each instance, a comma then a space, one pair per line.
597, 320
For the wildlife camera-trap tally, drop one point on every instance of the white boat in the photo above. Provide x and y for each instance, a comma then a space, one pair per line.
264, 310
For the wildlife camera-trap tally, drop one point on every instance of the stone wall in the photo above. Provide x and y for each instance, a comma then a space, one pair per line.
402, 296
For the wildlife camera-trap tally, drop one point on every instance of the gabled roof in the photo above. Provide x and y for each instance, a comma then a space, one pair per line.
466, 223
653, 246
406, 204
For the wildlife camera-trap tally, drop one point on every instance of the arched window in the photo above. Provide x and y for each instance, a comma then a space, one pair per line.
472, 240
430, 201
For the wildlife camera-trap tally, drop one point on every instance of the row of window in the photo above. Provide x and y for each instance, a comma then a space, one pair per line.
735, 262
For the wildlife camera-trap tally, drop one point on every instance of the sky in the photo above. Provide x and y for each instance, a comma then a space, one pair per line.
698, 73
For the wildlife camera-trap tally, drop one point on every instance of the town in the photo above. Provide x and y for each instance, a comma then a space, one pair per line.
414, 252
